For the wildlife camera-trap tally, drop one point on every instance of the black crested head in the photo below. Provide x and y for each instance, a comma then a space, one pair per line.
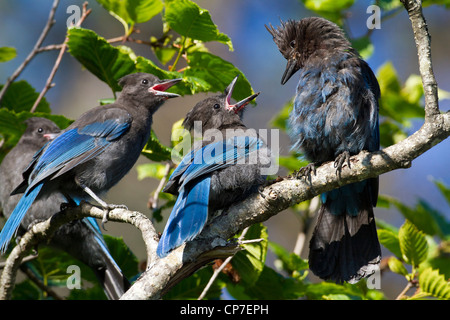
146, 89
217, 112
39, 131
302, 41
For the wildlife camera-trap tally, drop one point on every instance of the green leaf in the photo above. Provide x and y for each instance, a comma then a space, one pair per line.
269, 286
189, 20
51, 265
207, 67
288, 261
280, 120
106, 62
21, 96
434, 284
397, 266
123, 256
26, 290
413, 244
364, 46
191, 287
155, 150
129, 12
444, 189
181, 141
390, 240
328, 290
424, 217
7, 53
329, 9
249, 263
387, 5
151, 170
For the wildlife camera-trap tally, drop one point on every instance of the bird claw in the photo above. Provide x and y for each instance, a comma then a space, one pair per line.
305, 171
106, 211
344, 157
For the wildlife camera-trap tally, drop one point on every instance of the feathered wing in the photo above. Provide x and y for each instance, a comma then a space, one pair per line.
192, 177
70, 149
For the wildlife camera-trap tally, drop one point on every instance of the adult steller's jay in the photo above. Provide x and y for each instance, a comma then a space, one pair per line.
81, 238
335, 115
95, 151
224, 169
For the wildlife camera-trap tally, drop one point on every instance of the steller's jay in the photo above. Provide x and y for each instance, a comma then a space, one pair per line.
335, 115
222, 170
95, 151
81, 238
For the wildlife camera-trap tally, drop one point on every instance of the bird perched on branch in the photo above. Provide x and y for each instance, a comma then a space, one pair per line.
223, 169
95, 151
335, 116
81, 238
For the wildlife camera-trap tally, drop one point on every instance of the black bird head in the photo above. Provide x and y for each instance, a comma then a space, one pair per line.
217, 112
313, 37
39, 131
146, 88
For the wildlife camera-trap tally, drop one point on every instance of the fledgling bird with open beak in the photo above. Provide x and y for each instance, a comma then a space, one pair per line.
335, 115
95, 151
213, 176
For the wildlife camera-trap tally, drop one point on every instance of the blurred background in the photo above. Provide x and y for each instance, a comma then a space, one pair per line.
257, 57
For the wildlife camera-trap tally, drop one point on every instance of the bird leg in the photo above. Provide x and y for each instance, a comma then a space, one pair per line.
344, 157
305, 171
106, 207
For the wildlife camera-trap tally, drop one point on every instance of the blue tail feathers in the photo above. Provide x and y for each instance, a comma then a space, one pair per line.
188, 217
11, 226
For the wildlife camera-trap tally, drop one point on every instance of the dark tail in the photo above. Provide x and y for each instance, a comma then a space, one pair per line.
344, 245
110, 275
114, 283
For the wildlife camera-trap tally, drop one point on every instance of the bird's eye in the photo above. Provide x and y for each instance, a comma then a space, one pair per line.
40, 130
144, 81
216, 106
292, 44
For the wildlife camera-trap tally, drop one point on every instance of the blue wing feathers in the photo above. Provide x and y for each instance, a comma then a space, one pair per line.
190, 212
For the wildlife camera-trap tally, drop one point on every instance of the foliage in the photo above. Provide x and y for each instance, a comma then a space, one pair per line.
420, 247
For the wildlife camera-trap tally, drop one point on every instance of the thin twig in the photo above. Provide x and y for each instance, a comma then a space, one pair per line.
153, 201
48, 25
219, 270
405, 290
123, 38
39, 283
49, 83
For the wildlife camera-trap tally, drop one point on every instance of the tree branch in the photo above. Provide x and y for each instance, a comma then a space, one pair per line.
49, 83
48, 25
43, 231
423, 44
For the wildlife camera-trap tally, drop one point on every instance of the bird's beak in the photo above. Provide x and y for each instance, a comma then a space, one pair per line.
238, 106
291, 68
51, 136
159, 89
